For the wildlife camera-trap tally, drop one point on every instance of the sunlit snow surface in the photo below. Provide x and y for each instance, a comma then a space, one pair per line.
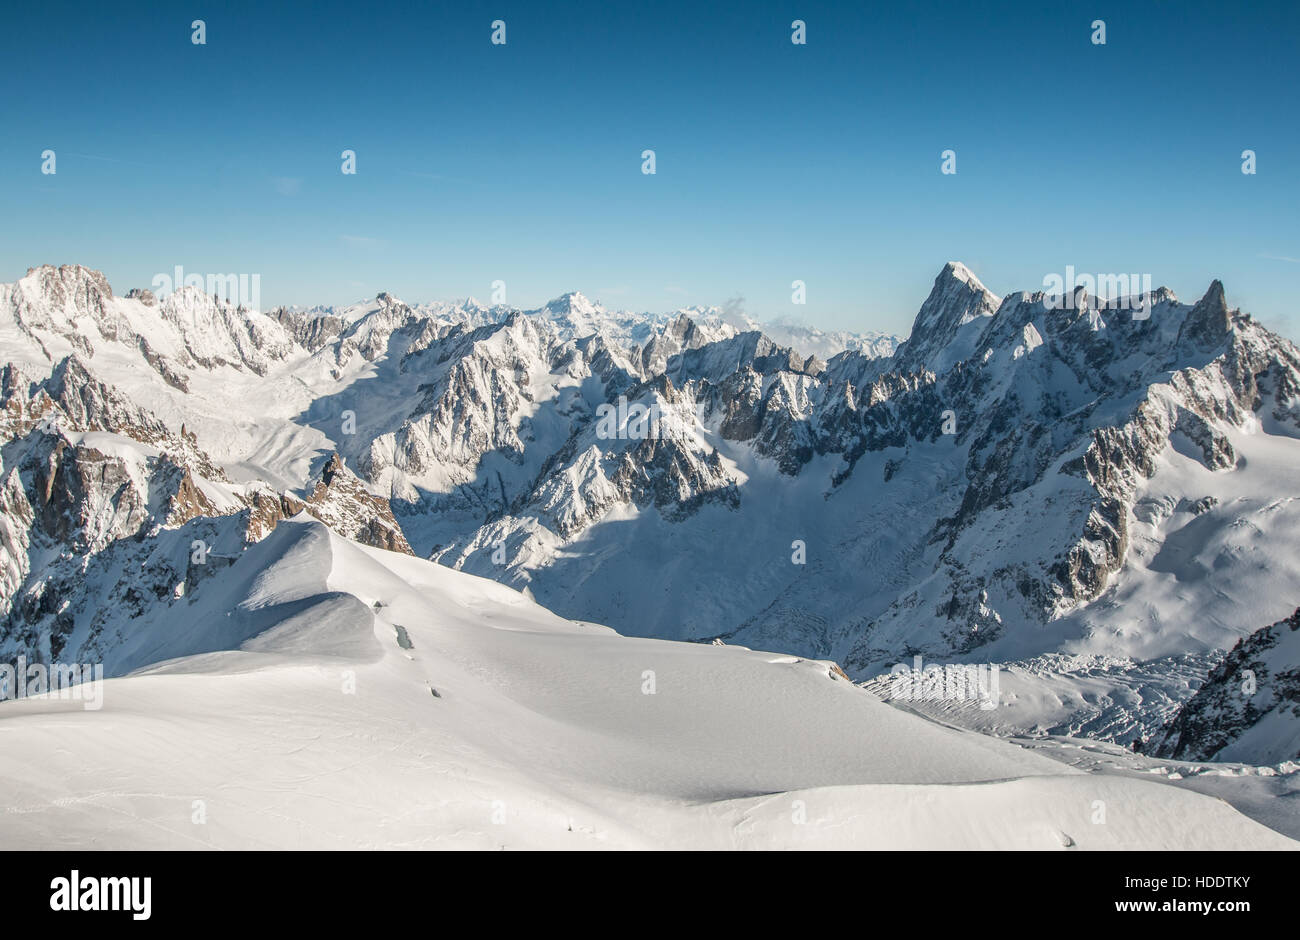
541, 735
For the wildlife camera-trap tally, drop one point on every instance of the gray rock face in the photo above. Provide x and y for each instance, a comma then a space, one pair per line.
1248, 708
87, 534
948, 324
102, 505
84, 538
341, 501
1209, 323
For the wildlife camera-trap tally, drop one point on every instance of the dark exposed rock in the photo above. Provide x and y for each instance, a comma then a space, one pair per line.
1208, 324
1258, 680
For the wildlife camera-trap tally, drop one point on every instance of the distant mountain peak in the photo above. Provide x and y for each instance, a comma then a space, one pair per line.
572, 302
945, 330
1209, 323
959, 271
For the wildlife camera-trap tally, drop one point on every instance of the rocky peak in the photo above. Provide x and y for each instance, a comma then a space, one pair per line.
342, 502
68, 282
1209, 322
571, 302
949, 323
1248, 708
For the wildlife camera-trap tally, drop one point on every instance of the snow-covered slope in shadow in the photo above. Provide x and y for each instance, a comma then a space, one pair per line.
273, 600
360, 698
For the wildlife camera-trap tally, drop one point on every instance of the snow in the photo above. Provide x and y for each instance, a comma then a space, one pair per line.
466, 688
540, 736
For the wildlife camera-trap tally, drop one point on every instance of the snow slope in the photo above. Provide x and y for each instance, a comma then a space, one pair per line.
1210, 553
1103, 504
477, 719
1249, 707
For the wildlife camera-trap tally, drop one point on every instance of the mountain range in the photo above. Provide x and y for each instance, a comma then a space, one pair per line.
1103, 504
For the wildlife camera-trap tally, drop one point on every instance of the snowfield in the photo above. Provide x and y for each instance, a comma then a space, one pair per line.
325, 694
1102, 505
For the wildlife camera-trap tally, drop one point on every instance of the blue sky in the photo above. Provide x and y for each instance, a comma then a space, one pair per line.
775, 162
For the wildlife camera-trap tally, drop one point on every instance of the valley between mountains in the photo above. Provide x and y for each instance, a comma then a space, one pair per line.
391, 575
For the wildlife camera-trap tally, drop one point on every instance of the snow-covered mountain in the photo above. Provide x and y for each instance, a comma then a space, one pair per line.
1093, 458
136, 427
322, 694
1106, 502
1249, 707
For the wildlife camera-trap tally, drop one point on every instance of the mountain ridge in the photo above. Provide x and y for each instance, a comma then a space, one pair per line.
986, 489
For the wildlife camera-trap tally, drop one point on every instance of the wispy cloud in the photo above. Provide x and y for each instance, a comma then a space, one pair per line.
734, 307
360, 241
1281, 258
103, 159
287, 185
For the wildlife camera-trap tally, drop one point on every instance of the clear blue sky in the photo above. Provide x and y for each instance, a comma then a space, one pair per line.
775, 161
